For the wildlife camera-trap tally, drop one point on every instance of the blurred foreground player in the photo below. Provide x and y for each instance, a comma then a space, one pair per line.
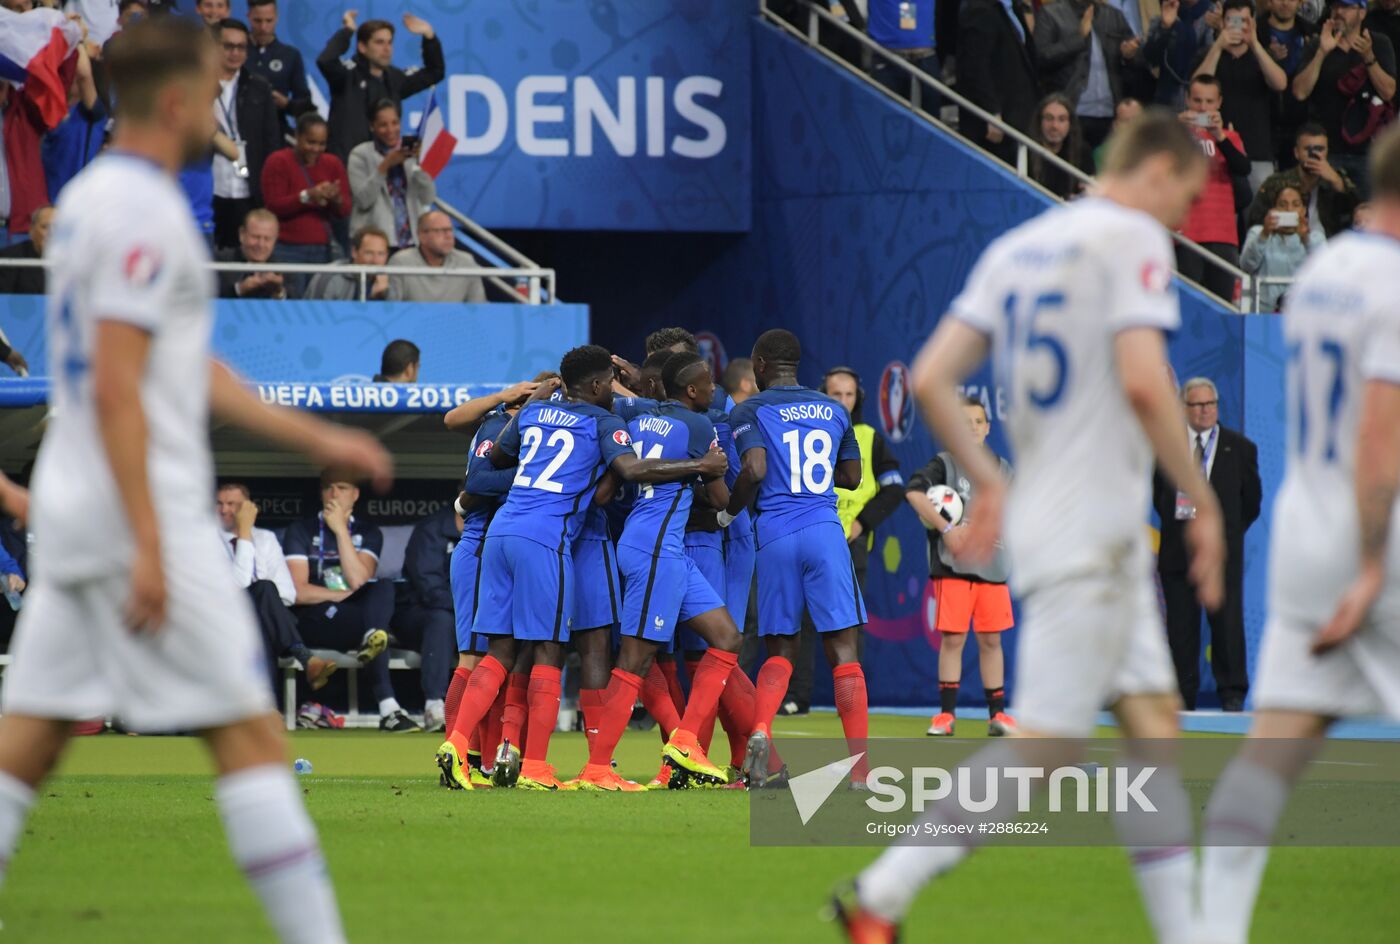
148, 623
1332, 642
1075, 303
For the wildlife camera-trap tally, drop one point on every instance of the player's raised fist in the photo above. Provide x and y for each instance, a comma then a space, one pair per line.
347, 19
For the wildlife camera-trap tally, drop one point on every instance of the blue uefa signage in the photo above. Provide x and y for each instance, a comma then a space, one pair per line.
581, 114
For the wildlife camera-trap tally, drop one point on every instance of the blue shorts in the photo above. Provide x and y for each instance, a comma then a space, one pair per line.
526, 590
739, 553
709, 560
597, 586
660, 592
465, 573
810, 567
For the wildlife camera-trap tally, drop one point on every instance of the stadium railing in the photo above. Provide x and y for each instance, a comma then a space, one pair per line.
538, 282
923, 86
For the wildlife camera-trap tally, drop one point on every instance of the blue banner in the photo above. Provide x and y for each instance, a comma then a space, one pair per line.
597, 115
340, 342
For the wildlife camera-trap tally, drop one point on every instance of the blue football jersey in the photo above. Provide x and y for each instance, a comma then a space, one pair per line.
805, 434
596, 520
563, 448
483, 480
657, 522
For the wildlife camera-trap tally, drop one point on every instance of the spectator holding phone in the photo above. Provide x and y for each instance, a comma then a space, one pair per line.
1211, 221
1278, 247
1329, 195
1348, 82
391, 191
1249, 79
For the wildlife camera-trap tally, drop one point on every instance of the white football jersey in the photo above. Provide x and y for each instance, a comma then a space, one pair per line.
124, 248
1341, 324
1052, 294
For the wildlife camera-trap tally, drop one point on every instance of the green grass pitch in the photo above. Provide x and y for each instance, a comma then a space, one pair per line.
125, 846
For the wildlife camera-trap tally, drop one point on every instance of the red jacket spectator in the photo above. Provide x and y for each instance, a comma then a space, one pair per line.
306, 187
24, 131
1212, 216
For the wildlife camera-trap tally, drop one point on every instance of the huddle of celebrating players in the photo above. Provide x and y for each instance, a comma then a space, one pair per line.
605, 448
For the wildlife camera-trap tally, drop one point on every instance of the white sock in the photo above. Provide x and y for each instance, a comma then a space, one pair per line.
1159, 845
434, 705
16, 797
388, 706
889, 885
1243, 812
274, 843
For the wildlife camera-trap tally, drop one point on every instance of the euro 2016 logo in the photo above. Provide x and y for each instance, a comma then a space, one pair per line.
896, 401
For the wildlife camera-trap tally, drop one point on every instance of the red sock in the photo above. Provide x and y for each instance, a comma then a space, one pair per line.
481, 691
706, 686
544, 710
706, 733
590, 703
673, 682
771, 688
656, 696
517, 705
618, 699
852, 703
455, 688
736, 714
490, 728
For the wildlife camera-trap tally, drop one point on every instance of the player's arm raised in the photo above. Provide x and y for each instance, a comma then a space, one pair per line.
1141, 356
1377, 482
466, 417
955, 351
120, 353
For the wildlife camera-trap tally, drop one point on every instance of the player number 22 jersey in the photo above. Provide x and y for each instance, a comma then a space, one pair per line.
563, 447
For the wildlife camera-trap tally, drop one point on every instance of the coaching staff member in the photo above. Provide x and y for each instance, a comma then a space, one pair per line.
1231, 464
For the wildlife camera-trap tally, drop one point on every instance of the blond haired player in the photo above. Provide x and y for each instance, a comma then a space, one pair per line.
134, 610
1073, 306
1332, 641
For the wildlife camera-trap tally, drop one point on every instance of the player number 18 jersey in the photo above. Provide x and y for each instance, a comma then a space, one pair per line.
805, 434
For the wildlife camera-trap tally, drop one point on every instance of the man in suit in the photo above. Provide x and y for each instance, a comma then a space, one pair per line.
1231, 463
997, 71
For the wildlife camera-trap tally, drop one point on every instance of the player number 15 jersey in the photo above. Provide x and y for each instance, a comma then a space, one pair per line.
1052, 296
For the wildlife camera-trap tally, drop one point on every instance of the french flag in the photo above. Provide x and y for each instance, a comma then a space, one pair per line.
33, 46
437, 142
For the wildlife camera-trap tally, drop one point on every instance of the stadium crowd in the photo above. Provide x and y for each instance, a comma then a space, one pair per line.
1284, 96
282, 184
